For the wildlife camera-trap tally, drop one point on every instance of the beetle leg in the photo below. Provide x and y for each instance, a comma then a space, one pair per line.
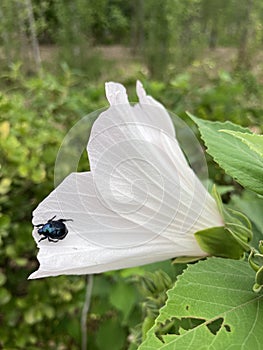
63, 220
52, 218
41, 239
39, 225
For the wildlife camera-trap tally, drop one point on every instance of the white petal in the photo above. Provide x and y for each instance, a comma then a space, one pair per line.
98, 239
116, 93
95, 259
148, 112
76, 198
123, 122
149, 178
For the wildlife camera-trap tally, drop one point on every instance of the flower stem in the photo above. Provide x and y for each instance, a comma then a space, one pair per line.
85, 310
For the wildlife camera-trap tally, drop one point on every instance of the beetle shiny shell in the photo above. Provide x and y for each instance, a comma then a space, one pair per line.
53, 230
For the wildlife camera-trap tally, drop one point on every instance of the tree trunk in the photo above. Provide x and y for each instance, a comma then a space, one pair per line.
5, 38
213, 36
243, 60
137, 27
33, 34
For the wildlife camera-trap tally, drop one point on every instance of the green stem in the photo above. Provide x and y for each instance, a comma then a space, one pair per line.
85, 311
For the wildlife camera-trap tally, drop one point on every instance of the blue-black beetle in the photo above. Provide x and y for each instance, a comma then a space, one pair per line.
53, 230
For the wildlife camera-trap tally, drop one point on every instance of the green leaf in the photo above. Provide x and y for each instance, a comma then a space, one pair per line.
259, 280
233, 155
123, 298
211, 306
2, 279
253, 141
110, 335
5, 296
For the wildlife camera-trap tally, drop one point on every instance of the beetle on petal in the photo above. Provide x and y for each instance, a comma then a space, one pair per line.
139, 203
53, 230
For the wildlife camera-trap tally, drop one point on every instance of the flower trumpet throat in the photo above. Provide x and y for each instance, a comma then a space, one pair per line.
139, 203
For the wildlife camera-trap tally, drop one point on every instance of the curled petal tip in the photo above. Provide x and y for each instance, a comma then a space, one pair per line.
116, 93
140, 89
141, 93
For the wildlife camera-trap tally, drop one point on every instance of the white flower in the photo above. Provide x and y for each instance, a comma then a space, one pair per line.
140, 203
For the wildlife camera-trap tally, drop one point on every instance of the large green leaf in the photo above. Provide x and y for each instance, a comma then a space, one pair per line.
232, 154
211, 306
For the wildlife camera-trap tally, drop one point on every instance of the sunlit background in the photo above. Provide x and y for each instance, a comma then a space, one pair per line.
205, 56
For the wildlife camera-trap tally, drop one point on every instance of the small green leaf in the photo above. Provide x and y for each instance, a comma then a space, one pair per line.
123, 297
259, 276
255, 260
4, 221
251, 205
110, 335
148, 322
5, 296
259, 280
33, 315
5, 184
233, 155
2, 279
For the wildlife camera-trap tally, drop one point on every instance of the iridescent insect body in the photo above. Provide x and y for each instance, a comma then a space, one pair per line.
53, 230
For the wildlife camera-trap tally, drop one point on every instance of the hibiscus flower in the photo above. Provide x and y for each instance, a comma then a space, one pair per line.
139, 203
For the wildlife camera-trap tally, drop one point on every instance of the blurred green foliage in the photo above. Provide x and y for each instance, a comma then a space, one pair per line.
165, 38
32, 127
35, 114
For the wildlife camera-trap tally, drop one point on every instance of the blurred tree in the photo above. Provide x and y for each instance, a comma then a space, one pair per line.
245, 30
233, 23
111, 21
157, 38
73, 32
12, 31
33, 33
137, 26
19, 33
5, 34
211, 18
168, 35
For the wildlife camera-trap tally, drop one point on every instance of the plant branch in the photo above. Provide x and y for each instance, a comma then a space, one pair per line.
85, 310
